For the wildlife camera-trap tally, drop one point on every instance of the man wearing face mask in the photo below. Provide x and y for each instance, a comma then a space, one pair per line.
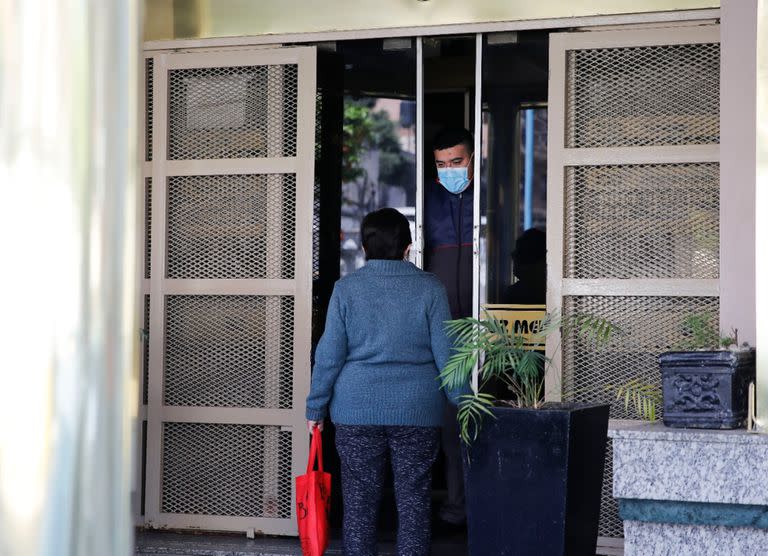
448, 255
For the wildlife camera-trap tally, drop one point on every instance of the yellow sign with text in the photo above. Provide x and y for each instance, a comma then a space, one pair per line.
521, 319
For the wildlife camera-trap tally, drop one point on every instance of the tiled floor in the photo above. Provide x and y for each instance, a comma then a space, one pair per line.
156, 543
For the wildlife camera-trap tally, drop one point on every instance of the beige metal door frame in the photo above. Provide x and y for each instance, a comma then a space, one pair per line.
160, 168
660, 19
299, 287
562, 159
559, 158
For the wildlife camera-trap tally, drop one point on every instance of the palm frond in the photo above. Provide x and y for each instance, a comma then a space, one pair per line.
459, 368
502, 354
472, 407
589, 327
643, 397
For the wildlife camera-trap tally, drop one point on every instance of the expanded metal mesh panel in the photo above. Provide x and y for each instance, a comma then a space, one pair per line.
316, 233
232, 112
641, 96
642, 221
232, 226
145, 353
149, 64
610, 524
318, 124
647, 326
229, 351
226, 470
147, 227
316, 189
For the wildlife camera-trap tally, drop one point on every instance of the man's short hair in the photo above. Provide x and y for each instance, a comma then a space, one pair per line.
386, 234
451, 136
530, 247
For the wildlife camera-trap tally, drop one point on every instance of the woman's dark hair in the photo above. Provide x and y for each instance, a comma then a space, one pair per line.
386, 234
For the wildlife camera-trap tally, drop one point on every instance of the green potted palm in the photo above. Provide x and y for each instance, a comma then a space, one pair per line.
534, 469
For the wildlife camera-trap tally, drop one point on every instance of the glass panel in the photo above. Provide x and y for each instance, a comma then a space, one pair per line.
449, 87
514, 164
533, 160
379, 139
379, 167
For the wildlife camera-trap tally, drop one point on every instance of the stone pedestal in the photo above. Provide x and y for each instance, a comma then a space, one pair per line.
690, 492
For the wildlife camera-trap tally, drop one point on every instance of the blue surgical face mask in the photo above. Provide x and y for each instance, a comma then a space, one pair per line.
455, 180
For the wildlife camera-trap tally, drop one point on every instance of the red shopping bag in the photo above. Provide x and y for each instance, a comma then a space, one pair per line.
313, 501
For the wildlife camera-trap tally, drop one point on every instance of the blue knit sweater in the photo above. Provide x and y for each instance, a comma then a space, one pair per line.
384, 341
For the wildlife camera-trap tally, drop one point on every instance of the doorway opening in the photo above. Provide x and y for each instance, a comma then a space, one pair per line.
368, 142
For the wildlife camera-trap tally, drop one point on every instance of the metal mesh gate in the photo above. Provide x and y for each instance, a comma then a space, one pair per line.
145, 230
224, 112
621, 97
228, 249
634, 204
211, 363
218, 226
649, 325
236, 456
642, 221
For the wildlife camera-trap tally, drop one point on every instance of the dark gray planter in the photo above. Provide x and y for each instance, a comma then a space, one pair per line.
534, 479
706, 389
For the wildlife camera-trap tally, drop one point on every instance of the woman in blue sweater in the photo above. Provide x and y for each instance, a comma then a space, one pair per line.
376, 374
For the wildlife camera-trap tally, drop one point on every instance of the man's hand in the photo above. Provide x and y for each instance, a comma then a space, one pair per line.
312, 424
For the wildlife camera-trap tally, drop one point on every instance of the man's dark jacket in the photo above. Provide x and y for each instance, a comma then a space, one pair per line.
448, 235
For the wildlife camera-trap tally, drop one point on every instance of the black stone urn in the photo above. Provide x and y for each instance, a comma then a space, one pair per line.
533, 480
706, 389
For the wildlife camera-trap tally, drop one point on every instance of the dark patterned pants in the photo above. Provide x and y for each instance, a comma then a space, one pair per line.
363, 453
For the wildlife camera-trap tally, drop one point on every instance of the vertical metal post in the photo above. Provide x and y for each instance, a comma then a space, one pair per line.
528, 177
273, 329
69, 333
157, 298
418, 241
738, 166
302, 324
761, 208
476, 180
558, 85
